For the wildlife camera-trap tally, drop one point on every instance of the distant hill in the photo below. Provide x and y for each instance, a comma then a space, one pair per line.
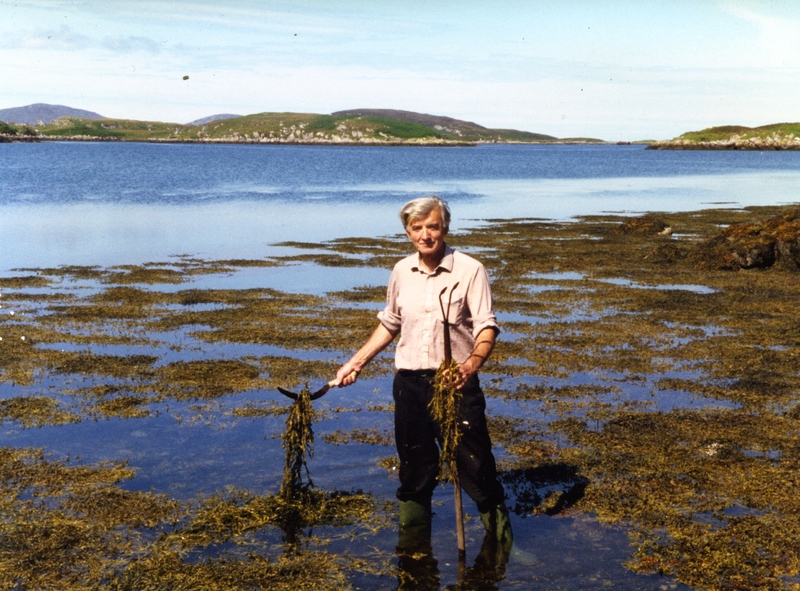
32, 114
778, 136
352, 127
211, 118
465, 129
265, 128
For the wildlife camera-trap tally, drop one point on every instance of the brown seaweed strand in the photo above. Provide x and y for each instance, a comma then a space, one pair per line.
444, 410
298, 441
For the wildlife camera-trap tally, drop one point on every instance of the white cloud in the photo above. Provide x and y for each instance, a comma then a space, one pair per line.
61, 38
778, 37
130, 44
65, 38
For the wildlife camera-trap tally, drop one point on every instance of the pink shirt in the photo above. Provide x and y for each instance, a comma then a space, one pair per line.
412, 309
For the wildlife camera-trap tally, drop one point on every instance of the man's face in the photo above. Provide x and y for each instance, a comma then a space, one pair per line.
427, 234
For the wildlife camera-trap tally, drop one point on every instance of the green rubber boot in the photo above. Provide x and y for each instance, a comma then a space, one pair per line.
490, 563
498, 526
498, 546
415, 524
417, 568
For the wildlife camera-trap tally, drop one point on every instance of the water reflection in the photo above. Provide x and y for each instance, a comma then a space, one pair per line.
418, 568
546, 490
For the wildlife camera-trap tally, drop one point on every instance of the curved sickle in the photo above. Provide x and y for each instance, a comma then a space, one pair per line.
318, 394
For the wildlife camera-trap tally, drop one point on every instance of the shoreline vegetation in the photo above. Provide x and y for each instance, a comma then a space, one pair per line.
365, 127
778, 136
651, 363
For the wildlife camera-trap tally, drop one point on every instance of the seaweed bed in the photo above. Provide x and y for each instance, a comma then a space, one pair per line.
643, 379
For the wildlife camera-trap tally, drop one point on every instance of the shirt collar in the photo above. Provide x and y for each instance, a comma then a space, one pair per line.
446, 263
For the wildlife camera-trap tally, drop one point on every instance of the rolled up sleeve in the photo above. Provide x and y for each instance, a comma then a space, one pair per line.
390, 315
479, 298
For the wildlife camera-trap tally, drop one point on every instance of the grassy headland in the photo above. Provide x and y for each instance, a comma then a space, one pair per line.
777, 136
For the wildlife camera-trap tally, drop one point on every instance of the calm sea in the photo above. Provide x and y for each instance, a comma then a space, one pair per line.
108, 204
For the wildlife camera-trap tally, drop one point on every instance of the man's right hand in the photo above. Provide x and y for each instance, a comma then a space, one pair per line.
346, 376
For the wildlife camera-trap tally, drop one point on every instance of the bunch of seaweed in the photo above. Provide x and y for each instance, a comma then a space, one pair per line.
298, 441
444, 407
761, 244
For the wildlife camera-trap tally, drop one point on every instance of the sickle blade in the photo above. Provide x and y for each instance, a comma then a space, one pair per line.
321, 392
288, 394
318, 394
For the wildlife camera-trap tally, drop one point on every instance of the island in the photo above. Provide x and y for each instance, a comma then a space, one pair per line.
777, 136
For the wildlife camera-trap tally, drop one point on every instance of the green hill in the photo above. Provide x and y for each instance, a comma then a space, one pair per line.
777, 136
730, 131
312, 128
360, 126
108, 129
449, 126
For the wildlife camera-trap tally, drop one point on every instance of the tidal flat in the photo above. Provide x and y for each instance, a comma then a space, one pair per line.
643, 402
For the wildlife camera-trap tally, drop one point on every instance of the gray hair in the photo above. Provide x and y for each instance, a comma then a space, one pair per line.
420, 209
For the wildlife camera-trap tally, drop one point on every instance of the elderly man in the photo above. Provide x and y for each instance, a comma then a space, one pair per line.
412, 311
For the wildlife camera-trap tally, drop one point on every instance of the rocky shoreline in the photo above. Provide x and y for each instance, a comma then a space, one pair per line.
4, 138
364, 141
735, 142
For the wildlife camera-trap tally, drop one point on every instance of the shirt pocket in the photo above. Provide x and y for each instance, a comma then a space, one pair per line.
457, 312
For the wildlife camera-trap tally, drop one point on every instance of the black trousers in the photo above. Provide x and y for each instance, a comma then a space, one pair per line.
417, 437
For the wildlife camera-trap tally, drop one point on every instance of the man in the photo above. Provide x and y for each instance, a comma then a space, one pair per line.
413, 311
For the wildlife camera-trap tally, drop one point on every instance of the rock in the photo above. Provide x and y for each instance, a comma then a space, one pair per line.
775, 241
646, 224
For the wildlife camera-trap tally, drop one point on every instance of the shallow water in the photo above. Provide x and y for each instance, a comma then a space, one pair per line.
186, 449
207, 455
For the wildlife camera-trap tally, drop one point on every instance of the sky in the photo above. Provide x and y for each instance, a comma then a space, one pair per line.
608, 69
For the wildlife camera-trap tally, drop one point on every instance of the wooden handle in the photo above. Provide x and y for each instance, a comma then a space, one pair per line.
334, 383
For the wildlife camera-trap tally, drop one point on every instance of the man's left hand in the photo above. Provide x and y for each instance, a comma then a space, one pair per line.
465, 371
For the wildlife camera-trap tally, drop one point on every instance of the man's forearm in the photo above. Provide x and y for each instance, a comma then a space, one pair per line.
484, 345
377, 342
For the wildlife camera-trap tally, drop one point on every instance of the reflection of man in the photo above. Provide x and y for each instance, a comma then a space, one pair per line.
412, 310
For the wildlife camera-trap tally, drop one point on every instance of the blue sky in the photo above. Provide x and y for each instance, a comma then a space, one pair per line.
616, 70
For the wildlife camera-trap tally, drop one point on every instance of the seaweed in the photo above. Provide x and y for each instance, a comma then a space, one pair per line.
73, 527
444, 408
35, 411
298, 441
